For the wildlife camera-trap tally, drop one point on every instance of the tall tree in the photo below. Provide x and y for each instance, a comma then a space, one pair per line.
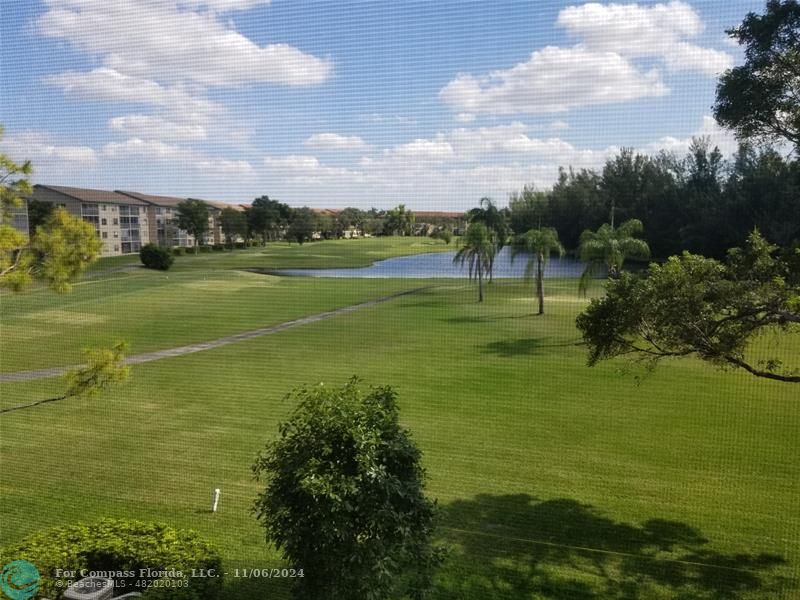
477, 251
759, 99
345, 497
351, 217
537, 245
693, 305
193, 219
233, 224
399, 221
608, 248
496, 224
57, 252
302, 226
267, 217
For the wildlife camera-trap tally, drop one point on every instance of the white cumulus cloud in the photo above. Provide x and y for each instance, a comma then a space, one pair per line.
334, 141
157, 40
155, 127
636, 31
39, 147
554, 80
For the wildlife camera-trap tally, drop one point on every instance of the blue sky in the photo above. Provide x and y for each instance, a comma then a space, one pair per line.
432, 104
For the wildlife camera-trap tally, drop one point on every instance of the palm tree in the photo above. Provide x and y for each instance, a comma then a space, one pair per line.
495, 221
477, 251
538, 245
608, 248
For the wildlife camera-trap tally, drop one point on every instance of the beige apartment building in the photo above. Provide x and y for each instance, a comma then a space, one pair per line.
121, 221
162, 212
126, 220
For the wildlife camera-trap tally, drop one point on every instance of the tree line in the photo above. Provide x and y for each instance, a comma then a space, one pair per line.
700, 202
267, 219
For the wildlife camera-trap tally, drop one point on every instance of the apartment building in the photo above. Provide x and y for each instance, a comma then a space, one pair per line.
162, 214
121, 221
216, 209
163, 211
18, 217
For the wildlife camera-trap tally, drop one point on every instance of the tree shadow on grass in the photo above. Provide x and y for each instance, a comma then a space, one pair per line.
515, 546
525, 346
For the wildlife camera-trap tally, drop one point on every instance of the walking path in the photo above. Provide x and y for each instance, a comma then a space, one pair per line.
217, 343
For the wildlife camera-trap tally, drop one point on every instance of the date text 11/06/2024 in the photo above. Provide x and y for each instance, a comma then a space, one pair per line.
265, 573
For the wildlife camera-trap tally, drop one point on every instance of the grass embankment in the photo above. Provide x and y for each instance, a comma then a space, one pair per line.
556, 480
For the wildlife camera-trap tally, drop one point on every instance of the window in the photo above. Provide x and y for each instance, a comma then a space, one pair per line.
103, 221
105, 235
115, 222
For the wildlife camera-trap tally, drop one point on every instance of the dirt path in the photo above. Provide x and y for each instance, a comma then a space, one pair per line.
209, 345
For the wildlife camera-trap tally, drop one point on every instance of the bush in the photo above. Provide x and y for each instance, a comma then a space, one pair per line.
240, 245
178, 251
218, 247
205, 248
445, 234
344, 498
156, 257
115, 545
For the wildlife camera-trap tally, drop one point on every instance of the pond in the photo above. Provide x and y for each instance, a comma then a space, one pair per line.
440, 264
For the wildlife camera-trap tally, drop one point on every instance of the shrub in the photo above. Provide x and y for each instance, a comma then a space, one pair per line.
445, 234
115, 545
241, 245
177, 251
218, 247
205, 248
344, 498
156, 257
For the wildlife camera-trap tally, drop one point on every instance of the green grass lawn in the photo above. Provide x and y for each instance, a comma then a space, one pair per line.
358, 252
555, 480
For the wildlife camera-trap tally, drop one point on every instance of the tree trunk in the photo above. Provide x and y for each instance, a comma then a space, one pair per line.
480, 284
540, 283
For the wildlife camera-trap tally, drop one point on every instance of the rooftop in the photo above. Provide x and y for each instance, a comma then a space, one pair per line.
90, 195
170, 201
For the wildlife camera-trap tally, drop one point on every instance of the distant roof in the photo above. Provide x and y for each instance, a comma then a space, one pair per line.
153, 199
89, 195
327, 211
224, 205
440, 214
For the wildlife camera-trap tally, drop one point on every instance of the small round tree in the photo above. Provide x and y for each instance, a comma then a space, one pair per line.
155, 257
344, 498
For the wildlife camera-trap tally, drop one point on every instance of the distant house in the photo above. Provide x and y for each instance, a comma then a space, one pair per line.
429, 221
121, 221
350, 232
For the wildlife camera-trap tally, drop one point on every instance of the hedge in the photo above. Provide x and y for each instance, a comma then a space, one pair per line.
117, 545
178, 251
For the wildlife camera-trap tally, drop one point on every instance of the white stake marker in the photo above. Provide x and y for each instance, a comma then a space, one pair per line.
216, 500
